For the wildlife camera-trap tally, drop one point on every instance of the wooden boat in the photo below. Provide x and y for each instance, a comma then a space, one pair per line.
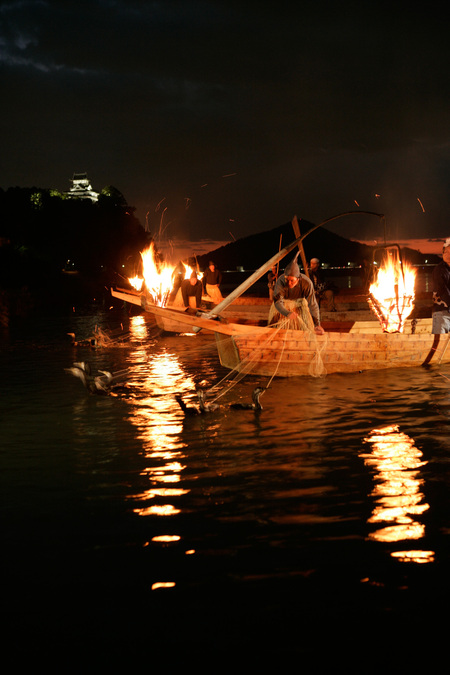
347, 346
255, 311
350, 347
251, 310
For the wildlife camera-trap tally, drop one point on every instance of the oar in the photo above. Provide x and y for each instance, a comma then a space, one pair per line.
253, 278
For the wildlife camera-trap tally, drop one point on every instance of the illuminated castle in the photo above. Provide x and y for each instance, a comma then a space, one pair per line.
82, 188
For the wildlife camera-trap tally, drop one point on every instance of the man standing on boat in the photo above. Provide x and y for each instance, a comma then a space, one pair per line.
212, 278
292, 291
441, 293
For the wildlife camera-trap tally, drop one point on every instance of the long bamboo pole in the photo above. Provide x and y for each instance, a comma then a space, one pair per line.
253, 278
296, 228
279, 249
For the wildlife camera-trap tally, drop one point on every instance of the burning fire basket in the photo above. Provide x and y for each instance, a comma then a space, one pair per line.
391, 296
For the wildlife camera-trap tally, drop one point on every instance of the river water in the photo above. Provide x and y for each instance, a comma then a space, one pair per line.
314, 532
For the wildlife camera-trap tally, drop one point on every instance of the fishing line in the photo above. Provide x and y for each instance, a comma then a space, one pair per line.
248, 362
302, 322
278, 364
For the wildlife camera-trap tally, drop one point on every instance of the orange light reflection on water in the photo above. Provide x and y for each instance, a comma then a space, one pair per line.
159, 423
138, 329
398, 495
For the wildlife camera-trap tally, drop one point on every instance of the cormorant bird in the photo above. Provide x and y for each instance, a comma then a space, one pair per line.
98, 384
187, 409
254, 405
204, 406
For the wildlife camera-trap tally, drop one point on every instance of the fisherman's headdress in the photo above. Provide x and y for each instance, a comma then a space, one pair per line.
292, 269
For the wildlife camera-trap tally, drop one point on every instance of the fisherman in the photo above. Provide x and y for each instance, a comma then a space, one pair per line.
441, 293
271, 280
212, 278
177, 279
324, 292
290, 288
192, 287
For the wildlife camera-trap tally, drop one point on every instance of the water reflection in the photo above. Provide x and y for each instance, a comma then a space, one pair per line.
138, 329
156, 417
398, 495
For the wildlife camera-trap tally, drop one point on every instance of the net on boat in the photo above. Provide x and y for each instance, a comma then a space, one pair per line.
302, 321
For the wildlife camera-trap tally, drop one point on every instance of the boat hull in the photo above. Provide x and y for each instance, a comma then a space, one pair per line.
294, 353
271, 352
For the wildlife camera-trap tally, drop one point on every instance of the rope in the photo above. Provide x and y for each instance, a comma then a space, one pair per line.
278, 364
303, 321
245, 368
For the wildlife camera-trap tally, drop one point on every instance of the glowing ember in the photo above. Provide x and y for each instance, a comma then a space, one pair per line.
158, 276
392, 295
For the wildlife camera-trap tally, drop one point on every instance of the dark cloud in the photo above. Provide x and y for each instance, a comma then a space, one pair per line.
233, 113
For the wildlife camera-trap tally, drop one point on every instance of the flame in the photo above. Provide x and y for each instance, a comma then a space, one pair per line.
136, 282
158, 276
392, 294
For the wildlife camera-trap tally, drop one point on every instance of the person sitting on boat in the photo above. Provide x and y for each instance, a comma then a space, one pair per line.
295, 300
441, 293
324, 292
192, 287
212, 278
271, 280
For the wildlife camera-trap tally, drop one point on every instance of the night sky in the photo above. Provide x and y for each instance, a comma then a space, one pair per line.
222, 119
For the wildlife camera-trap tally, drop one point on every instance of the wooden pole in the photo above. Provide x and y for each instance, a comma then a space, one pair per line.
279, 249
296, 229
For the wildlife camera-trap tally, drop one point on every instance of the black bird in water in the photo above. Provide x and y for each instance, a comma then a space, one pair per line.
204, 406
188, 409
254, 405
104, 383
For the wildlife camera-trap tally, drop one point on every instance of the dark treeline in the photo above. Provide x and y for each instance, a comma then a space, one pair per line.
43, 232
